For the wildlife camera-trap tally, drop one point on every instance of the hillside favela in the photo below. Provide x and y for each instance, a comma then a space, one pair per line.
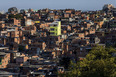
58, 42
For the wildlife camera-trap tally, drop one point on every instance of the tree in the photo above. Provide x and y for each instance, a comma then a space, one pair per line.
11, 16
65, 61
100, 62
17, 16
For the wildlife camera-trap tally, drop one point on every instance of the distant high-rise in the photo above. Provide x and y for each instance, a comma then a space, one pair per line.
114, 12
108, 7
55, 28
22, 11
13, 10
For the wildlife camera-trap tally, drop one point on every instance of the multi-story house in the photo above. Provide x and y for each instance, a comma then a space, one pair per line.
55, 28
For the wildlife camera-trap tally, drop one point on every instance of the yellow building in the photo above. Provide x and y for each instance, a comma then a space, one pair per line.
55, 28
37, 22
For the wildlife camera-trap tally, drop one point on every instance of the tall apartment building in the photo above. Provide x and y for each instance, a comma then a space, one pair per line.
114, 12
55, 28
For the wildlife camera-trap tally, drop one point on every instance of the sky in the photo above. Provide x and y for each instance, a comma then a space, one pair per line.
55, 4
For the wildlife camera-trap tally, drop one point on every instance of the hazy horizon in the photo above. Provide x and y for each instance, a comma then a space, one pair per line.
56, 4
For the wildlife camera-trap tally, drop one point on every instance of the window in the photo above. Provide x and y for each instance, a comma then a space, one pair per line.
55, 25
81, 49
19, 24
52, 29
52, 33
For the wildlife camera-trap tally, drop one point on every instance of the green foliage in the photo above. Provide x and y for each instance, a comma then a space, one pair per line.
11, 16
99, 62
17, 16
65, 61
